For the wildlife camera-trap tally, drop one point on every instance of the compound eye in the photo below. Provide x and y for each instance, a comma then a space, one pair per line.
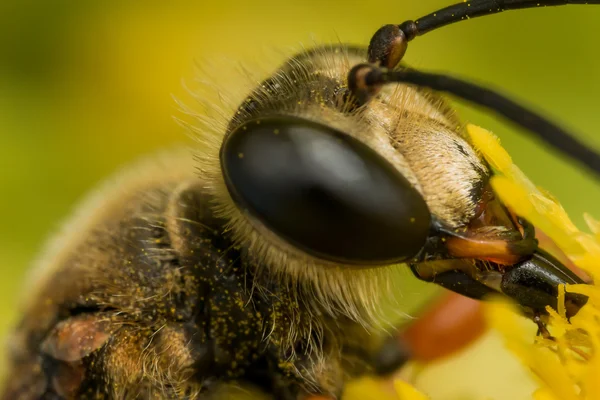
324, 192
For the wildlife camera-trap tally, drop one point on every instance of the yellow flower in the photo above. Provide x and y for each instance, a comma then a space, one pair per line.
568, 367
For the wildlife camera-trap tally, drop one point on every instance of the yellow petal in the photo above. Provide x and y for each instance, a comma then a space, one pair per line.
592, 223
407, 392
544, 394
489, 145
368, 389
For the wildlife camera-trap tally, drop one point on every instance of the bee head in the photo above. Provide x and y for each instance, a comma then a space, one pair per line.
330, 199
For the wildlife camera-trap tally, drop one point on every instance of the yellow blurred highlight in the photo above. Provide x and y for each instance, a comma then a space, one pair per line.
405, 391
370, 389
373, 389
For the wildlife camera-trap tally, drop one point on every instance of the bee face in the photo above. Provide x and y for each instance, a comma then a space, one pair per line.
315, 177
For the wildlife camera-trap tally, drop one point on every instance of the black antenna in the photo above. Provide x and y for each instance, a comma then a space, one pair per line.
473, 9
364, 81
389, 44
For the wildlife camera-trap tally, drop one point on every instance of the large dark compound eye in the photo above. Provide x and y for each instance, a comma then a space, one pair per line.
324, 192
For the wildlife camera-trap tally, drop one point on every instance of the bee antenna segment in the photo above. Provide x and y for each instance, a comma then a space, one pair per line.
389, 43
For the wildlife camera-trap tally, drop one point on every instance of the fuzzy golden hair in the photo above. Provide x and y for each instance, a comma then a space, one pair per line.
413, 129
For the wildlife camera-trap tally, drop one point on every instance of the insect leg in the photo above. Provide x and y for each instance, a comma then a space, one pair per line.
445, 327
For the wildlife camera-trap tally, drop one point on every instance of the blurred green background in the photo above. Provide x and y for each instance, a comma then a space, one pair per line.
86, 87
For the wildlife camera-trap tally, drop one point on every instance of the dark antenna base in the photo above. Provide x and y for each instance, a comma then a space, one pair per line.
389, 44
391, 40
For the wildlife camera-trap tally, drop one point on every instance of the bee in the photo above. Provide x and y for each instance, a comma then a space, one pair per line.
260, 259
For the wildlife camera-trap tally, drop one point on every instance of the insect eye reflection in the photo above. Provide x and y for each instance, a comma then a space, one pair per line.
324, 191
